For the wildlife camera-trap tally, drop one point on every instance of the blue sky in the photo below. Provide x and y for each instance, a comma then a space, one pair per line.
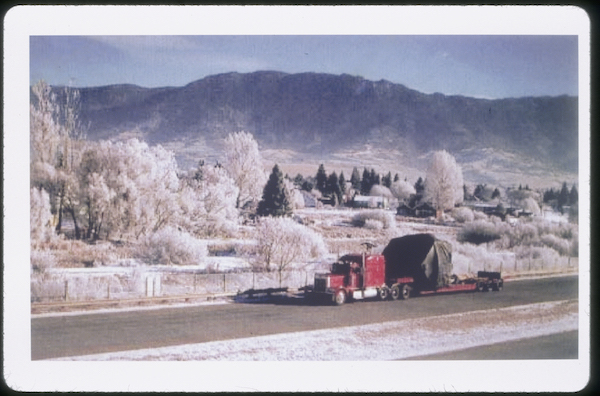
479, 66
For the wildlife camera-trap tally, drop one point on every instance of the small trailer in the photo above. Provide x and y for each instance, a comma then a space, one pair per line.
414, 264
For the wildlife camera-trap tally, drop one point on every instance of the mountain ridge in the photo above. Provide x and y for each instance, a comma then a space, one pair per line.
326, 113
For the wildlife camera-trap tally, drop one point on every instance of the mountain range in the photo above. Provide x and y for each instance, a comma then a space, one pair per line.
308, 116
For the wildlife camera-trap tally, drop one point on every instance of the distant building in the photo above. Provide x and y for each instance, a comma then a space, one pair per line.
361, 201
421, 210
310, 201
425, 210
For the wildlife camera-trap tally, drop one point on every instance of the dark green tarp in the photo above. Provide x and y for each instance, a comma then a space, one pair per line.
423, 257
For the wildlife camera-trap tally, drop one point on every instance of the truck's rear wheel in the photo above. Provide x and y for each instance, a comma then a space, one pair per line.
482, 287
340, 297
384, 293
395, 292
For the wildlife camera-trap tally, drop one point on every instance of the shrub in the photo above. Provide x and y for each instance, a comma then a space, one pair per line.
478, 232
282, 243
172, 246
384, 217
477, 215
372, 224
562, 246
41, 260
463, 215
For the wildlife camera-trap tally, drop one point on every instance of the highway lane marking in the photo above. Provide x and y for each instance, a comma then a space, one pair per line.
380, 341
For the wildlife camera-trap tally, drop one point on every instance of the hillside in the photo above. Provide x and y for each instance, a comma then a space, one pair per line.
321, 115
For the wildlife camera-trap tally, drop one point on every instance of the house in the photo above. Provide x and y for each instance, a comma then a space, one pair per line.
361, 201
310, 201
425, 210
405, 210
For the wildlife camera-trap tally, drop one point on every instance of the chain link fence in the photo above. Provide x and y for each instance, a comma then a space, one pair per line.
137, 283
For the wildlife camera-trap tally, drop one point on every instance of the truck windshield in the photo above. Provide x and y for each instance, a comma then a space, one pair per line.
340, 268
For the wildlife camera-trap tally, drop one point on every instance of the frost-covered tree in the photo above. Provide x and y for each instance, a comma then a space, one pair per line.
402, 190
276, 197
208, 204
283, 243
40, 221
530, 205
379, 190
245, 166
127, 189
444, 182
55, 147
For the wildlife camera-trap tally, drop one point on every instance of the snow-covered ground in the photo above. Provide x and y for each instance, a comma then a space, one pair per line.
381, 341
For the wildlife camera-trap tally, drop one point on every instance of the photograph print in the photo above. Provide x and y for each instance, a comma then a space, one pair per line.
341, 197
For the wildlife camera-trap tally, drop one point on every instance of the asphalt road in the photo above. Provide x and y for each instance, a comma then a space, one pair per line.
553, 346
109, 332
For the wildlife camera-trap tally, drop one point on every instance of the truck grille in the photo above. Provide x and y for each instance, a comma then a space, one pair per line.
320, 284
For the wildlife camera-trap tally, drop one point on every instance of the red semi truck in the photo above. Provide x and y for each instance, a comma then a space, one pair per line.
418, 264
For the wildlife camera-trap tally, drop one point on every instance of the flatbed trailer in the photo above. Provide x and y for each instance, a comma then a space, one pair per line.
361, 276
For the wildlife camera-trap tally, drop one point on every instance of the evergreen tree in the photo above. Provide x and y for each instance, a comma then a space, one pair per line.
549, 195
365, 184
375, 178
342, 182
573, 196
396, 177
563, 196
496, 194
299, 180
387, 180
420, 186
276, 200
333, 187
321, 179
355, 179
308, 185
479, 192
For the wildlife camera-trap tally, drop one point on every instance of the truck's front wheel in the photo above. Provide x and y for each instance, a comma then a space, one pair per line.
340, 297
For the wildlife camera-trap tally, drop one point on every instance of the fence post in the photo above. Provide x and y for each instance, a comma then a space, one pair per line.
66, 290
224, 283
195, 276
108, 290
253, 275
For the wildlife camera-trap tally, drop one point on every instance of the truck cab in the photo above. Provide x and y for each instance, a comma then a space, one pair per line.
353, 276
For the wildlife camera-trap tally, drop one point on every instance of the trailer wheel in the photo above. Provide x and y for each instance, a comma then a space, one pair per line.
405, 292
396, 293
339, 297
482, 287
384, 293
498, 286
